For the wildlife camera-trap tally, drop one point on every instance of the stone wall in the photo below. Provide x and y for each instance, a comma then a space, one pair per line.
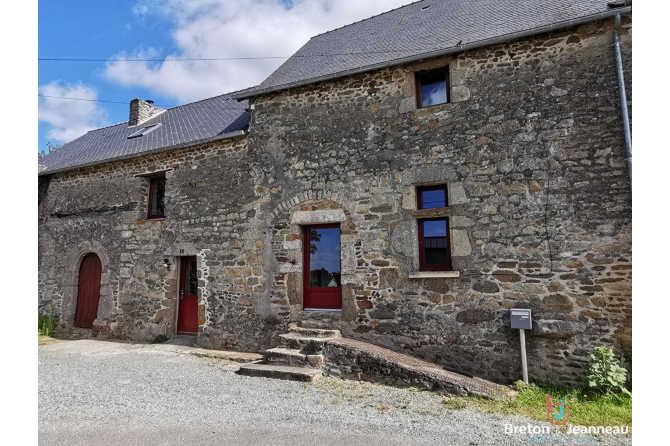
210, 209
532, 151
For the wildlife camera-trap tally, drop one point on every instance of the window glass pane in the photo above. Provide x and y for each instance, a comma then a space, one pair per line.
435, 245
433, 93
431, 199
324, 257
158, 197
191, 278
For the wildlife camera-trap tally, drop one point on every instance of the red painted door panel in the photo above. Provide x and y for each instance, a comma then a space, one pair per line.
88, 294
188, 296
321, 248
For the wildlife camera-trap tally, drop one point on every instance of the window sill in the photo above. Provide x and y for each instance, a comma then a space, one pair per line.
434, 274
445, 106
425, 107
154, 219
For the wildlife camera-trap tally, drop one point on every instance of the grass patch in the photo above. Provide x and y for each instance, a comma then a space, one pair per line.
586, 407
159, 339
45, 325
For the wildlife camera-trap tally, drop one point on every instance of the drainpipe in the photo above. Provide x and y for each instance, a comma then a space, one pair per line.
624, 101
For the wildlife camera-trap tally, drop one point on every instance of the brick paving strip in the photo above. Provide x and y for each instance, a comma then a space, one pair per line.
404, 368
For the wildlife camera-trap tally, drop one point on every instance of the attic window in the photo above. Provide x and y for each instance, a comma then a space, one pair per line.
432, 87
145, 130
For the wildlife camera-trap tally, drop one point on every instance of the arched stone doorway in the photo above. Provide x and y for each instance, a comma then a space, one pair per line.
106, 309
88, 291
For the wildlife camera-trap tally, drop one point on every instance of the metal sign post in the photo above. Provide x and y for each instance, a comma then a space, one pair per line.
521, 320
524, 364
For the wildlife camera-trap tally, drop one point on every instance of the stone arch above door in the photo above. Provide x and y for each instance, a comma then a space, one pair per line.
71, 283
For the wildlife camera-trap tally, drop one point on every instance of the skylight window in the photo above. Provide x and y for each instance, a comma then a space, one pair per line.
145, 130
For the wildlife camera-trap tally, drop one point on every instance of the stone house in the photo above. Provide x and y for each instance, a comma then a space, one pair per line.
445, 162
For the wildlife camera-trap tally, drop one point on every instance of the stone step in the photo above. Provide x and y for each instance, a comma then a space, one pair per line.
310, 332
314, 324
292, 357
306, 344
303, 374
73, 333
320, 319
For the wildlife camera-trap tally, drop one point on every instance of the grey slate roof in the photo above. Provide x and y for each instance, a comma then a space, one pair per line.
413, 32
188, 124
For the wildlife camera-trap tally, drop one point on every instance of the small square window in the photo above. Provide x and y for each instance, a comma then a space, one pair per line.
434, 243
432, 87
156, 203
431, 197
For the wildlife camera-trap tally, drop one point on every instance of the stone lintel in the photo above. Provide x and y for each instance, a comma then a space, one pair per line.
434, 274
318, 217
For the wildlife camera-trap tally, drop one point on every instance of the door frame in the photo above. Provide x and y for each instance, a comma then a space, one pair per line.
180, 281
306, 265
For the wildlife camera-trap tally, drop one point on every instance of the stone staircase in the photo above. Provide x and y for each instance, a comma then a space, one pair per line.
62, 332
313, 348
298, 358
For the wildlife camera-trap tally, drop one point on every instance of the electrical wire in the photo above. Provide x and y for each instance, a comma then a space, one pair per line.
214, 59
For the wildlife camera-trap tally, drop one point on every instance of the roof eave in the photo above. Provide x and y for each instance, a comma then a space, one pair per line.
442, 52
148, 152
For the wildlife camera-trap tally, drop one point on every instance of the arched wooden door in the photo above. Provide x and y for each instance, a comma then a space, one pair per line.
89, 291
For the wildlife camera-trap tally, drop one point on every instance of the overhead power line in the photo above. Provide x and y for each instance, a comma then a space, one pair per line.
64, 59
81, 99
116, 102
193, 59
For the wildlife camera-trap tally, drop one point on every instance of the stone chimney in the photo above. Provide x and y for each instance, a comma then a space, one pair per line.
141, 110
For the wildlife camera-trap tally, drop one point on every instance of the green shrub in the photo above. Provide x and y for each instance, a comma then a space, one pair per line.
160, 339
604, 373
45, 324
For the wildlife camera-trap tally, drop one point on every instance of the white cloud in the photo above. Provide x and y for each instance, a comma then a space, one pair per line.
69, 119
231, 28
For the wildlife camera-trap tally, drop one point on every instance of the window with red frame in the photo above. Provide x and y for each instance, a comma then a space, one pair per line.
434, 244
156, 205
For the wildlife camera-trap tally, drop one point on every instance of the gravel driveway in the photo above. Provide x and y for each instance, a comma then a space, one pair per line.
109, 393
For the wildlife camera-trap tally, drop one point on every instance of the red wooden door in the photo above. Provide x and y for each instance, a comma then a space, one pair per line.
321, 249
88, 294
188, 296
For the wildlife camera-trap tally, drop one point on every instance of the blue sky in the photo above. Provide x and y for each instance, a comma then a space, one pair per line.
171, 30
98, 29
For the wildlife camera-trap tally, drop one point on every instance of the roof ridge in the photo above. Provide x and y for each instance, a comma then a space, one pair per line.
105, 127
176, 106
230, 94
369, 18
200, 100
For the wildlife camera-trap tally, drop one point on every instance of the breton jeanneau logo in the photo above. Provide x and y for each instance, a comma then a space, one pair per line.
557, 418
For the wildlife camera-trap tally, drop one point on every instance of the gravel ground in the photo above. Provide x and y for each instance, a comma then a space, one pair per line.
108, 393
